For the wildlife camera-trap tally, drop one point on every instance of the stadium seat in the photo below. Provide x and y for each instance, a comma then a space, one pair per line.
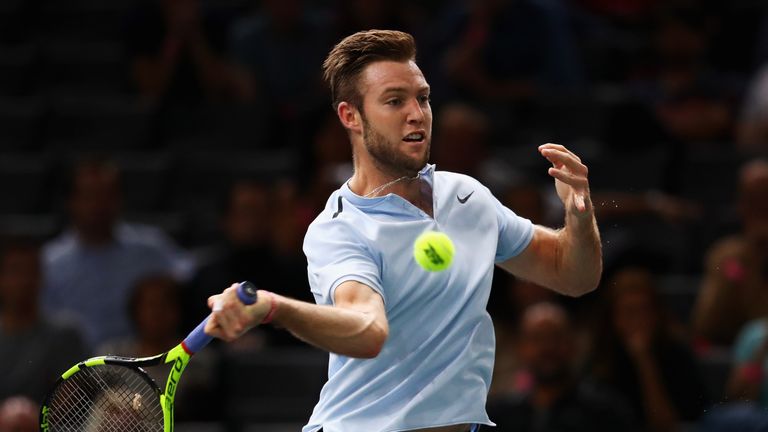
25, 183
86, 67
145, 178
274, 385
678, 291
19, 71
84, 19
21, 123
709, 176
34, 226
646, 171
17, 20
98, 123
216, 127
207, 175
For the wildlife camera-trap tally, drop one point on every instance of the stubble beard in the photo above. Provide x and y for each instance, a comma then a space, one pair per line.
388, 158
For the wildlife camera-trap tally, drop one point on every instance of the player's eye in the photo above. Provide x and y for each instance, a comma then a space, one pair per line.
394, 102
424, 99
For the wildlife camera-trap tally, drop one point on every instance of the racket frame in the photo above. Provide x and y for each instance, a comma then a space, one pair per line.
179, 356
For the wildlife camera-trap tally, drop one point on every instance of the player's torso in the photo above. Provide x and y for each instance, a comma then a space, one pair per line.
459, 211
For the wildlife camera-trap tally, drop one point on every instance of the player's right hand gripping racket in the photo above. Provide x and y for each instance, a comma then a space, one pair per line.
114, 394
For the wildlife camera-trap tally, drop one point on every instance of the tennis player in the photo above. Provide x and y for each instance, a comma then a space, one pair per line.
411, 350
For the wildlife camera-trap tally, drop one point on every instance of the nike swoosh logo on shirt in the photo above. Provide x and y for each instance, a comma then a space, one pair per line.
463, 200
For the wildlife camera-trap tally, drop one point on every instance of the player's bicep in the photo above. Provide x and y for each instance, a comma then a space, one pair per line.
538, 261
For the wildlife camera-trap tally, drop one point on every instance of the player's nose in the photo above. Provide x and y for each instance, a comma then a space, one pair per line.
415, 112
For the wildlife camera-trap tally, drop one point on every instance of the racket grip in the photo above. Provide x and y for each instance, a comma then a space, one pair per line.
198, 338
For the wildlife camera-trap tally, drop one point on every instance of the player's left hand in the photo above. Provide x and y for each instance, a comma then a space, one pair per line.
570, 178
230, 318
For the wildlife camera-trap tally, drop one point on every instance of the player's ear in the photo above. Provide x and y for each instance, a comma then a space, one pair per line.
349, 116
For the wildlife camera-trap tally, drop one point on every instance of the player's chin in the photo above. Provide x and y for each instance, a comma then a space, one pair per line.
418, 152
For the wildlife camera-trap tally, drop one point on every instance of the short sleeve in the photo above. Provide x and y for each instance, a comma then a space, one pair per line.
336, 254
515, 232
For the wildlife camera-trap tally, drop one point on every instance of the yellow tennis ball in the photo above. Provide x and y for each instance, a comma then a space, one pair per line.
433, 250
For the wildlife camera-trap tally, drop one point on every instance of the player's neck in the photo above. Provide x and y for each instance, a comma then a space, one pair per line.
370, 180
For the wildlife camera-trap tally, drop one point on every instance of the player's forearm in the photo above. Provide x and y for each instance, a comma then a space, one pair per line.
343, 331
579, 255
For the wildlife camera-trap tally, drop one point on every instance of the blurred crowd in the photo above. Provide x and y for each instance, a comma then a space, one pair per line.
152, 152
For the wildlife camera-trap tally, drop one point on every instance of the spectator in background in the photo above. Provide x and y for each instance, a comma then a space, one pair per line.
328, 163
19, 414
638, 355
34, 349
752, 128
462, 133
511, 296
749, 380
511, 50
155, 312
90, 268
692, 102
176, 52
275, 45
747, 389
556, 398
735, 285
248, 252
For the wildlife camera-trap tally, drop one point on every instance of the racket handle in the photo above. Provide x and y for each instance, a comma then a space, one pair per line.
198, 338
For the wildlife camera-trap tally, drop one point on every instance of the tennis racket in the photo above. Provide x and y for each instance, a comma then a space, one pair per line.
114, 394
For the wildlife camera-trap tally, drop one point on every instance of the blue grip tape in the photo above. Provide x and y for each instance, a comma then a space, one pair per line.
198, 338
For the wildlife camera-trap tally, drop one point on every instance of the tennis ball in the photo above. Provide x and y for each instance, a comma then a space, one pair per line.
433, 251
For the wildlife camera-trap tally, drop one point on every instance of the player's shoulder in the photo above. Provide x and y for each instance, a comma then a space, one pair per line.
454, 177
461, 183
335, 220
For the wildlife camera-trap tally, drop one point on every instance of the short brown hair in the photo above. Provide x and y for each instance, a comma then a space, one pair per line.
342, 67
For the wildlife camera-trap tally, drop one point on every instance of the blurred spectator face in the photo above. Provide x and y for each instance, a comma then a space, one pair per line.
247, 220
634, 307
753, 201
156, 308
18, 414
20, 277
546, 343
678, 42
463, 135
95, 200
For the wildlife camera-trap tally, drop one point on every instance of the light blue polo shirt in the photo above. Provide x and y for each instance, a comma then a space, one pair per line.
435, 368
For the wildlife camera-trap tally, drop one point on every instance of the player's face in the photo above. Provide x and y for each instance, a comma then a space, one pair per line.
397, 117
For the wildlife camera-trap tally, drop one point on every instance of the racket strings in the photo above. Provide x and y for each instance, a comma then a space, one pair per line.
105, 398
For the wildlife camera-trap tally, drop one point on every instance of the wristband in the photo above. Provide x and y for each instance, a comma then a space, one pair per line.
272, 308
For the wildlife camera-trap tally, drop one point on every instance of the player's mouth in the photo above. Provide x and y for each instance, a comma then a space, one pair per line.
415, 137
